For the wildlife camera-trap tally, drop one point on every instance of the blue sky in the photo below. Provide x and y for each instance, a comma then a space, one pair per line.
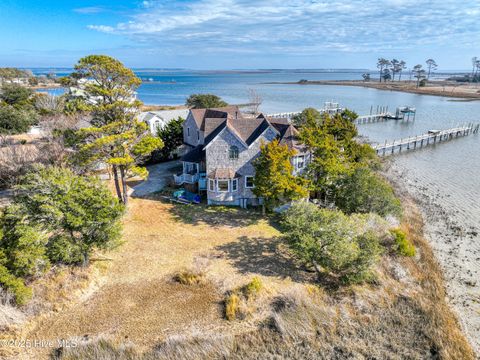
228, 34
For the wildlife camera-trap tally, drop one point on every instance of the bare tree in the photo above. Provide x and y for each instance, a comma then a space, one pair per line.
432, 65
46, 103
255, 100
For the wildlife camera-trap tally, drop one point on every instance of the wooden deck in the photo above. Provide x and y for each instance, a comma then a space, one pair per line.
419, 141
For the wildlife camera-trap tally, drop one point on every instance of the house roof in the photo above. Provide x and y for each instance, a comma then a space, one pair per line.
246, 129
199, 115
195, 155
164, 116
223, 173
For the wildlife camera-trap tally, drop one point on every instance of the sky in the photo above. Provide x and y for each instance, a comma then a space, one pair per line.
240, 34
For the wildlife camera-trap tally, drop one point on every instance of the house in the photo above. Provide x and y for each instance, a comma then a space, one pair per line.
223, 143
79, 91
158, 119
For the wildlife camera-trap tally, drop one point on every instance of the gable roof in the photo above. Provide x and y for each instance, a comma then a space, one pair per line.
196, 155
200, 115
246, 129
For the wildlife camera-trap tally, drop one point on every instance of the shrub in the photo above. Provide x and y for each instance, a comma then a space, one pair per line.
23, 246
78, 212
15, 121
187, 277
402, 245
332, 242
232, 303
366, 192
63, 250
253, 287
15, 286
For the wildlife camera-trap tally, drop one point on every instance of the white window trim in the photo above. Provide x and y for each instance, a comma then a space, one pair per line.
228, 186
297, 158
236, 185
210, 182
249, 187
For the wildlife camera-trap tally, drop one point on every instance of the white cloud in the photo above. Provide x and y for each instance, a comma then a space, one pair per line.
301, 26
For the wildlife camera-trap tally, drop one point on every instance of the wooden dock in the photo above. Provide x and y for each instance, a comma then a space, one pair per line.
367, 119
431, 137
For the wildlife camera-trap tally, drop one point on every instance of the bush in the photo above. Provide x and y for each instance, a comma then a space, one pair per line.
366, 192
253, 287
15, 121
232, 303
14, 94
332, 242
15, 286
23, 246
402, 245
62, 250
187, 277
78, 212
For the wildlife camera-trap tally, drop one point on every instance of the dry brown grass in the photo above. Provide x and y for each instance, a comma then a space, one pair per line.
442, 324
139, 313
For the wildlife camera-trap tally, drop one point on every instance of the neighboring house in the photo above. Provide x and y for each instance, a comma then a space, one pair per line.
80, 92
223, 145
158, 119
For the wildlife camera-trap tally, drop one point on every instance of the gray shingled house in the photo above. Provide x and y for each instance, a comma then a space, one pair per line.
223, 143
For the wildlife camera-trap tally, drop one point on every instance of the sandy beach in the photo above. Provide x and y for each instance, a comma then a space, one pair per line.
437, 88
456, 244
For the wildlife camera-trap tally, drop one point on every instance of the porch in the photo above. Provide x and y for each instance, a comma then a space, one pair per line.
192, 174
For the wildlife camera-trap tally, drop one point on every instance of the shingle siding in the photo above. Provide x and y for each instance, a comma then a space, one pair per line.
217, 155
192, 137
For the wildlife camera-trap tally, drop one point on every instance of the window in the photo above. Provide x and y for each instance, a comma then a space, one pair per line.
211, 185
300, 161
188, 131
198, 135
249, 182
233, 152
234, 185
157, 124
222, 185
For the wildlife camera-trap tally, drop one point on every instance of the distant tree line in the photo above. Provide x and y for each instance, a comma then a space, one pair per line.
388, 69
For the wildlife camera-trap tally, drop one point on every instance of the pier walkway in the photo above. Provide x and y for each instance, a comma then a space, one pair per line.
431, 137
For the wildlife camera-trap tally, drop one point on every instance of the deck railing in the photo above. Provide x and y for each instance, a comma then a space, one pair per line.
185, 178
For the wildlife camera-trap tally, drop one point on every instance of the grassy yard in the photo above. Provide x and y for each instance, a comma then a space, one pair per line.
137, 291
141, 312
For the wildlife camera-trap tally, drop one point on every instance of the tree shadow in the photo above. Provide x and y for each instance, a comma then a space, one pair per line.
265, 256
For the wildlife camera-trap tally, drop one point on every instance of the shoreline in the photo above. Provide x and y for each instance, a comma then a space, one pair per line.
445, 234
440, 88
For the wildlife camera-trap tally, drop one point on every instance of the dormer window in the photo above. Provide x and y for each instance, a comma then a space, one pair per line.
233, 152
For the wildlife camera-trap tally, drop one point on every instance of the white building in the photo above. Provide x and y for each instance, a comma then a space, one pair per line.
158, 119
